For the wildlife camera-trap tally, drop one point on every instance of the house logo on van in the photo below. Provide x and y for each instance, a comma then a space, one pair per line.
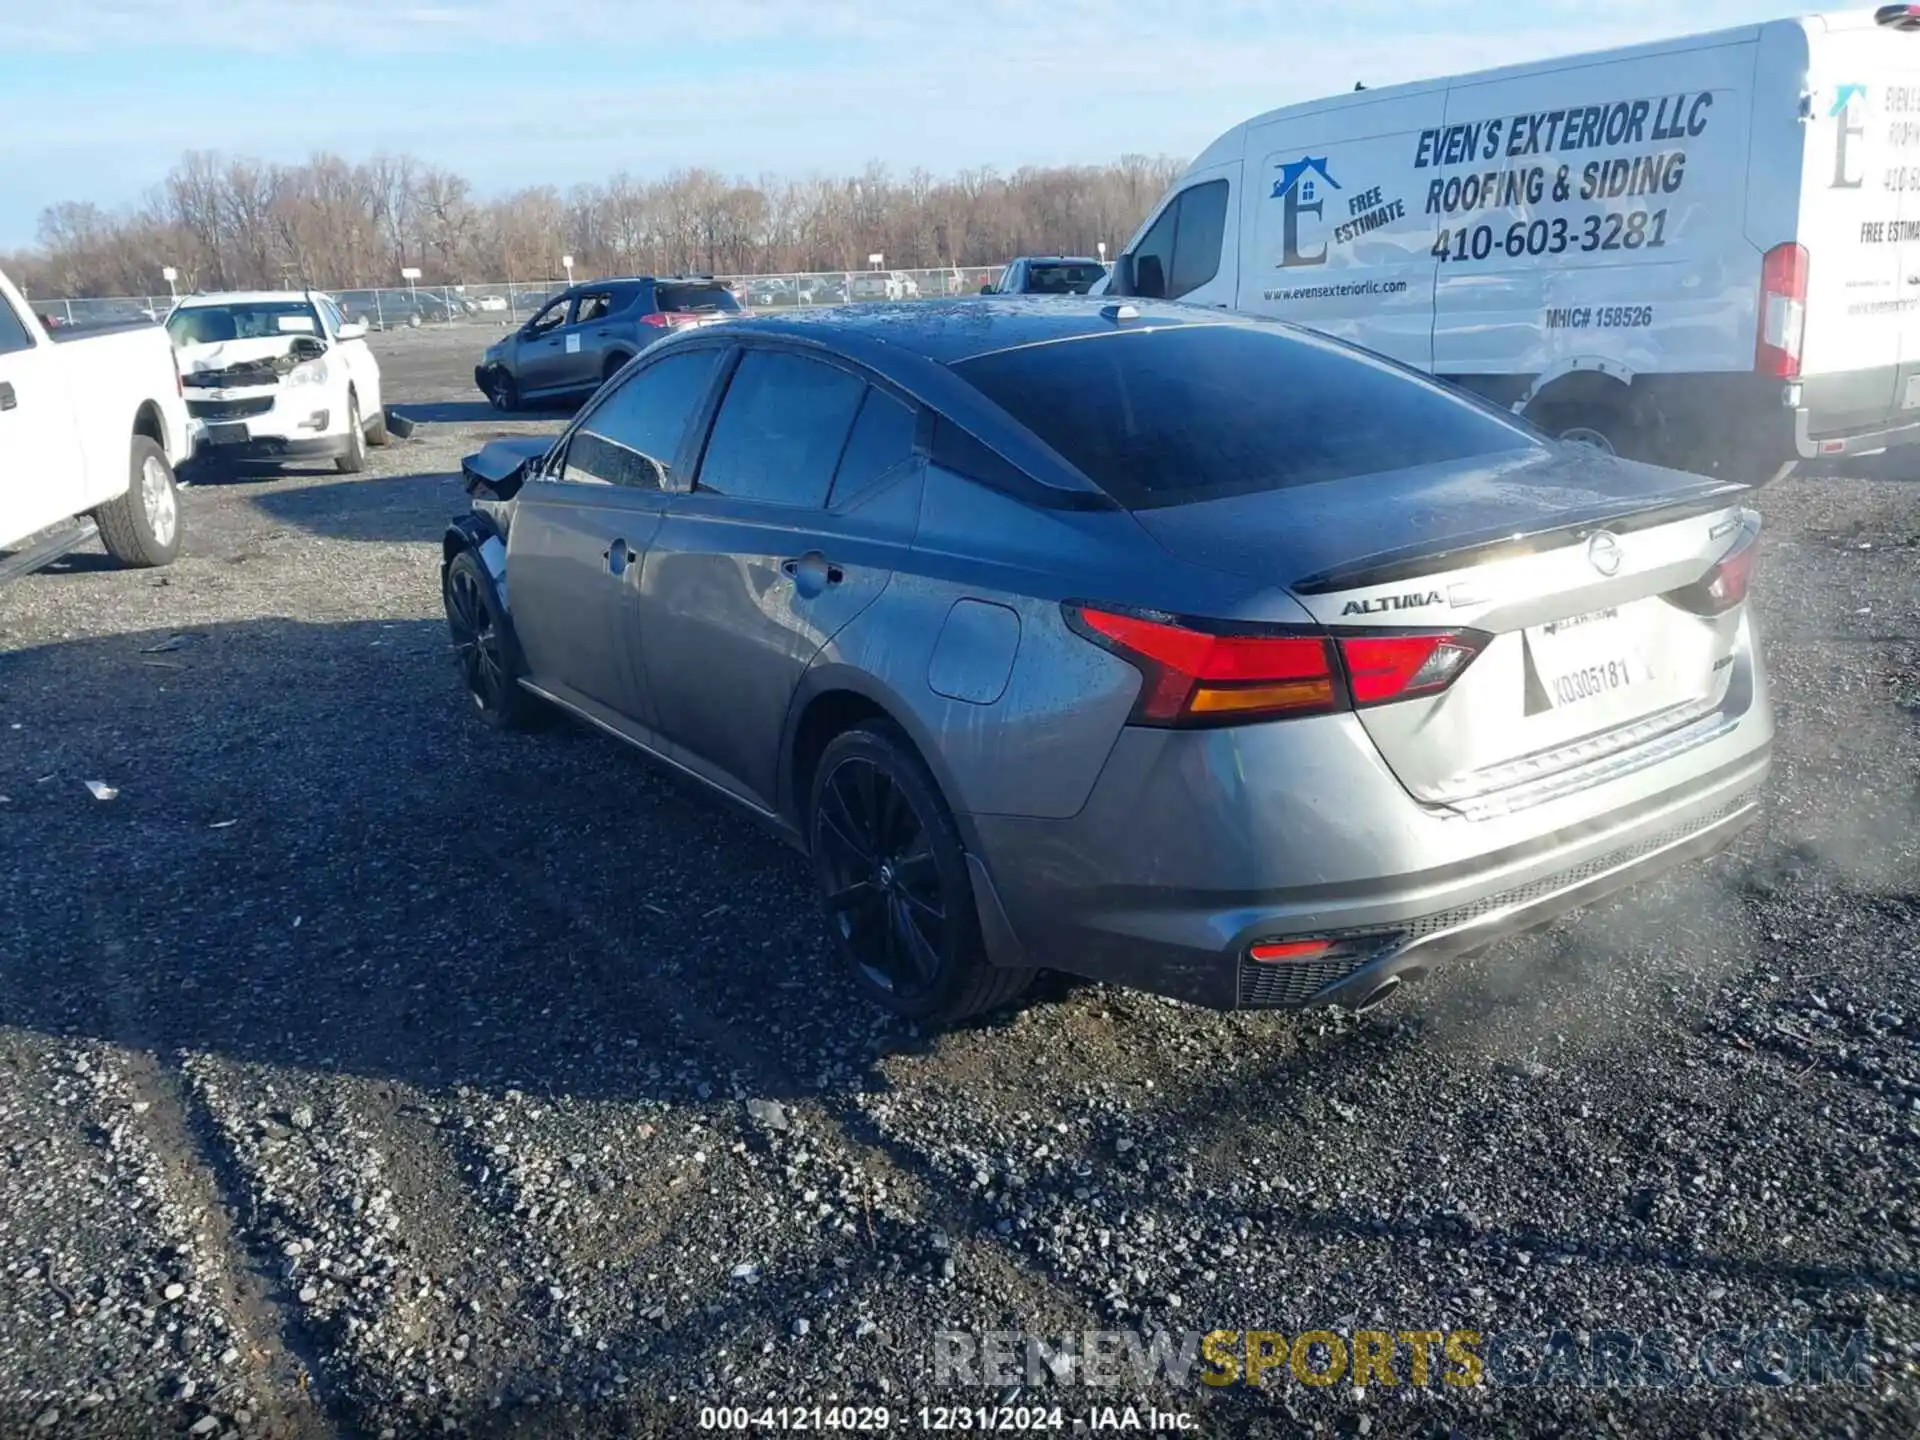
1299, 189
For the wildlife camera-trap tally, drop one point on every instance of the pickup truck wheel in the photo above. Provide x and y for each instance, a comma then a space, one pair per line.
355, 460
142, 527
377, 431
484, 645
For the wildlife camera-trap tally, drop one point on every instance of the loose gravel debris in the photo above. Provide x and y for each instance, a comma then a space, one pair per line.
366, 1072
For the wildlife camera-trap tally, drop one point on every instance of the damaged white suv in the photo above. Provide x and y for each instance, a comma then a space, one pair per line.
277, 375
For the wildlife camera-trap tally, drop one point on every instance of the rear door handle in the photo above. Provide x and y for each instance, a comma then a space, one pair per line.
8, 400
619, 555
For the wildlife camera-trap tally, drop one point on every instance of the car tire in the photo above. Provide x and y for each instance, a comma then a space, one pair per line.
141, 528
503, 392
355, 459
893, 882
377, 431
485, 648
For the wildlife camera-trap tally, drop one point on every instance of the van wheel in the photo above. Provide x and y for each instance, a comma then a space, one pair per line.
141, 528
1607, 428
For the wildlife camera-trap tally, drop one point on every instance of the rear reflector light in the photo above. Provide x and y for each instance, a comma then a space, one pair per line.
1783, 312
1727, 584
1198, 673
1275, 952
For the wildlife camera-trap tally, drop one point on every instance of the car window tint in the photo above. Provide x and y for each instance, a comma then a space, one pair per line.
556, 314
1195, 412
13, 330
780, 430
882, 438
632, 436
593, 307
1196, 249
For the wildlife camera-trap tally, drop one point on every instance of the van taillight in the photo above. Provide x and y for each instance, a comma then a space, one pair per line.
1783, 312
1194, 673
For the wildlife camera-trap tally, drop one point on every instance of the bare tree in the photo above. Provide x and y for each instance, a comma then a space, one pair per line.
227, 222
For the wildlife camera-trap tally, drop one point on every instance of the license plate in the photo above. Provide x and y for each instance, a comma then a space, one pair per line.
1911, 401
226, 434
1585, 659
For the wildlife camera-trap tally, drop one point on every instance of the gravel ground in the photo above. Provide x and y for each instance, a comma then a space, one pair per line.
369, 1073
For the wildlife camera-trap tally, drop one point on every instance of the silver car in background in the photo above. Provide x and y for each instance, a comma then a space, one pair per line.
1193, 653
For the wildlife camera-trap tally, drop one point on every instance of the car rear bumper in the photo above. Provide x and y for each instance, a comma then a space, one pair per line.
1196, 846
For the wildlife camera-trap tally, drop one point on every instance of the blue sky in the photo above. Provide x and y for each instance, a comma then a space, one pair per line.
99, 97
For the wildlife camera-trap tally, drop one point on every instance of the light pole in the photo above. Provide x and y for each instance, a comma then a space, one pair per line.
1102, 247
566, 263
169, 274
411, 274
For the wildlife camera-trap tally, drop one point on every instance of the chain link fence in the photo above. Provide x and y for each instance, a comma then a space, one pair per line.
508, 304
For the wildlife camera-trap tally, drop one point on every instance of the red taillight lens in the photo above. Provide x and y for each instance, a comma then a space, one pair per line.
1783, 312
1383, 668
1193, 676
1276, 952
1726, 585
656, 319
1196, 674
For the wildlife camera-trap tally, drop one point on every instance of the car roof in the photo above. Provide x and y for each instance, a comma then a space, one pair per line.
247, 297
1059, 259
950, 331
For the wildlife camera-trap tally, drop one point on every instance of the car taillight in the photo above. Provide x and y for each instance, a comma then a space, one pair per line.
1195, 673
1383, 668
1783, 312
1724, 586
656, 319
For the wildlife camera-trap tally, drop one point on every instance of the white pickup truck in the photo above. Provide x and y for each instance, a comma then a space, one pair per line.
92, 424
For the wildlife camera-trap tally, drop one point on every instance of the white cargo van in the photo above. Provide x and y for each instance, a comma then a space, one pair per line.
1704, 252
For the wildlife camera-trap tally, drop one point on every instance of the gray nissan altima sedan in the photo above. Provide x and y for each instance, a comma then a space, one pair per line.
1188, 652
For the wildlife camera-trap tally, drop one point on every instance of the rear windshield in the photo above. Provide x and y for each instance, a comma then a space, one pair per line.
1062, 279
1196, 412
705, 296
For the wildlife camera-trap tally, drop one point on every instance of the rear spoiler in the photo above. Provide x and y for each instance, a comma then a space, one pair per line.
1620, 516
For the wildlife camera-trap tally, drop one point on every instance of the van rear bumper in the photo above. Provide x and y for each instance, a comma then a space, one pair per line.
1814, 442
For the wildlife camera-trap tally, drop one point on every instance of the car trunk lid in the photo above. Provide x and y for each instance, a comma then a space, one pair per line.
1561, 564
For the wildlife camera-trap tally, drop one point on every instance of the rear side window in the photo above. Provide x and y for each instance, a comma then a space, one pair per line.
13, 330
781, 429
882, 438
702, 297
1197, 412
632, 436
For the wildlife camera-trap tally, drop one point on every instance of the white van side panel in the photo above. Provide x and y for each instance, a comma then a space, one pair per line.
1337, 237
1615, 236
